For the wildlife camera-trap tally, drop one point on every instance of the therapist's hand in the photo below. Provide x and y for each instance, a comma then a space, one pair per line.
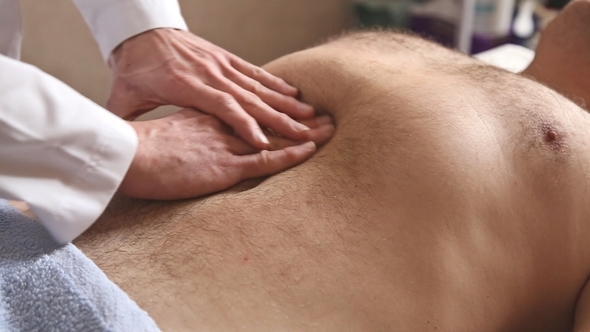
173, 67
190, 154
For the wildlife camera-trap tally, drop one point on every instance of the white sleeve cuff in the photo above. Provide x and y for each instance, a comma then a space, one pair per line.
61, 153
114, 21
85, 194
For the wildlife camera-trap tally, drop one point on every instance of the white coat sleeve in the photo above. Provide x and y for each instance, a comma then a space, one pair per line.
59, 152
114, 21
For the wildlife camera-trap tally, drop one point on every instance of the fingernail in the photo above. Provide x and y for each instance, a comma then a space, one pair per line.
292, 90
310, 146
305, 108
263, 138
300, 127
328, 128
324, 120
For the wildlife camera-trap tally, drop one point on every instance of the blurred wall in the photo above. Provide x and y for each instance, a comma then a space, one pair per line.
58, 41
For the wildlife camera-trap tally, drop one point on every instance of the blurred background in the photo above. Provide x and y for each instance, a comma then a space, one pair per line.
58, 41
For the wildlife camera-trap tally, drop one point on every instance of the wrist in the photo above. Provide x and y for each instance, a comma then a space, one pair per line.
144, 40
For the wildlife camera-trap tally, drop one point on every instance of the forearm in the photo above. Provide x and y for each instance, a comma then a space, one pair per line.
61, 153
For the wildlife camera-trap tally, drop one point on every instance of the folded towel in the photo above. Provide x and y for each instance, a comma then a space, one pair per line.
47, 287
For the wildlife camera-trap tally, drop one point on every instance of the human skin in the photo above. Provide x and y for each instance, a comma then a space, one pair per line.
451, 198
562, 60
176, 157
173, 67
191, 154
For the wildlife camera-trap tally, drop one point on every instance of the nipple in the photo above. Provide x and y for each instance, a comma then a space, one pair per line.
551, 136
554, 138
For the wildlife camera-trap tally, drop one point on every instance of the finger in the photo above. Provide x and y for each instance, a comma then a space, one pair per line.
321, 131
284, 103
265, 115
318, 121
264, 77
271, 162
241, 148
321, 135
226, 108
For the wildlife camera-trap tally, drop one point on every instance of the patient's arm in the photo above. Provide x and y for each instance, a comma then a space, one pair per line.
582, 318
563, 56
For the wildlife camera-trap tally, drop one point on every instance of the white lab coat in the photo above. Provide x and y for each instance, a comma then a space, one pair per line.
59, 152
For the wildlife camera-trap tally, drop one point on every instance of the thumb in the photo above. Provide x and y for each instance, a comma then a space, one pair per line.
128, 104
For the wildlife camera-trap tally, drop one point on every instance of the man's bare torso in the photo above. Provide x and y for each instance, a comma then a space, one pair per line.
452, 198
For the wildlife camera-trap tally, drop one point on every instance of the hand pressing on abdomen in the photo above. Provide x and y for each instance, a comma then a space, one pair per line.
172, 67
191, 154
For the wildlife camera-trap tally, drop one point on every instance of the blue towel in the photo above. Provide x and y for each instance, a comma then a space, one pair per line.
47, 287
